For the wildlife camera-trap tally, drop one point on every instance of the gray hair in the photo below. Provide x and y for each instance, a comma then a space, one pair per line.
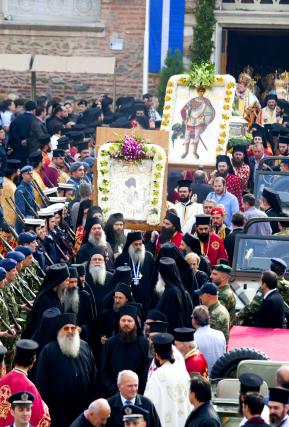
124, 373
97, 405
84, 190
201, 315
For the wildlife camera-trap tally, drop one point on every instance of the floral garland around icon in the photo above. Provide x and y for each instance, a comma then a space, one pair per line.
226, 81
132, 148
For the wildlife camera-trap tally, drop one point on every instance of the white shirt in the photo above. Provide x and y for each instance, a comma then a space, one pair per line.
211, 343
269, 292
124, 400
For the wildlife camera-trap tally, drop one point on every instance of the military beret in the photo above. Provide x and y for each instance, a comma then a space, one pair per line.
2, 273
26, 168
223, 268
26, 237
75, 166
8, 264
22, 398
25, 250
18, 256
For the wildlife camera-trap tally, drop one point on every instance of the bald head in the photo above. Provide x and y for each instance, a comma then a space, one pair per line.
282, 376
98, 412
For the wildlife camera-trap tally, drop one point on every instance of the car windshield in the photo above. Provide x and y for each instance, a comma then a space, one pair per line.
278, 181
254, 253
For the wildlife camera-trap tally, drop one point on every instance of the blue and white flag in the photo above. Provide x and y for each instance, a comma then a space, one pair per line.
166, 30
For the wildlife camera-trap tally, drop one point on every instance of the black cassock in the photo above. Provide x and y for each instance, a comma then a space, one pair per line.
85, 317
117, 356
143, 291
42, 302
66, 384
172, 303
98, 292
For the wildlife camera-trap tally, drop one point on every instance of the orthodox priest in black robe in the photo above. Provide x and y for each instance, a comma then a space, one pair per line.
272, 203
114, 230
126, 350
142, 264
66, 374
98, 281
174, 300
78, 301
51, 294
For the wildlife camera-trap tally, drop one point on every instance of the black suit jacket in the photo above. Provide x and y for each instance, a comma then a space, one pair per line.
271, 313
115, 419
81, 421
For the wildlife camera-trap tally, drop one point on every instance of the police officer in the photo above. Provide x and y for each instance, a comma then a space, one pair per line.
21, 404
134, 416
24, 196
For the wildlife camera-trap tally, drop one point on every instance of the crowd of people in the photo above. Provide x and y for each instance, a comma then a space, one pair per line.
100, 324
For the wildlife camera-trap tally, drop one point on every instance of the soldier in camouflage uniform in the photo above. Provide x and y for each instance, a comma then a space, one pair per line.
247, 315
219, 316
9, 310
220, 276
28, 271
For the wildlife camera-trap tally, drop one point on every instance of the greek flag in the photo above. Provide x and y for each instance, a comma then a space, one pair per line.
166, 30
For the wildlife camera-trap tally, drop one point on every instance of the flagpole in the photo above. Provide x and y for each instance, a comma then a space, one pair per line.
146, 49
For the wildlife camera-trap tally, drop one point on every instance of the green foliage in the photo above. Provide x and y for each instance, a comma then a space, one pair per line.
173, 65
203, 45
201, 75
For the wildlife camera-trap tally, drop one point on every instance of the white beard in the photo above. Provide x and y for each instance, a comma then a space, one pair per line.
71, 300
98, 274
61, 293
137, 255
69, 345
101, 241
160, 286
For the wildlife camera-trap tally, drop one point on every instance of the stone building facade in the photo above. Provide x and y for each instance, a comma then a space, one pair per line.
78, 28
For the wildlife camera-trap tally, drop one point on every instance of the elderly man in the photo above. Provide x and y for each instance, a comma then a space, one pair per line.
97, 415
126, 350
66, 373
278, 406
142, 264
194, 359
220, 276
168, 386
210, 342
127, 383
282, 377
51, 294
219, 315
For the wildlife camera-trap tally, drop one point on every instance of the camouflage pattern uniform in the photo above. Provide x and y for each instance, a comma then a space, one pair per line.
227, 298
220, 318
33, 280
247, 316
9, 312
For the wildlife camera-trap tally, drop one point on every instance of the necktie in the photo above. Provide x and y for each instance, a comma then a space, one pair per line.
127, 402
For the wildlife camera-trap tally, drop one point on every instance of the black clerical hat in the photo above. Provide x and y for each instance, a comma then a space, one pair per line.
100, 250
124, 289
56, 274
13, 164
118, 216
240, 149
185, 183
158, 327
58, 153
273, 199
80, 269
67, 319
36, 157
123, 274
44, 139
192, 242
26, 348
279, 394
73, 273
155, 315
222, 158
203, 219
128, 310
132, 237
283, 139
174, 219
162, 343
184, 334
250, 382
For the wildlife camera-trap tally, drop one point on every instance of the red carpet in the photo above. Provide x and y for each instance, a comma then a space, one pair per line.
273, 342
